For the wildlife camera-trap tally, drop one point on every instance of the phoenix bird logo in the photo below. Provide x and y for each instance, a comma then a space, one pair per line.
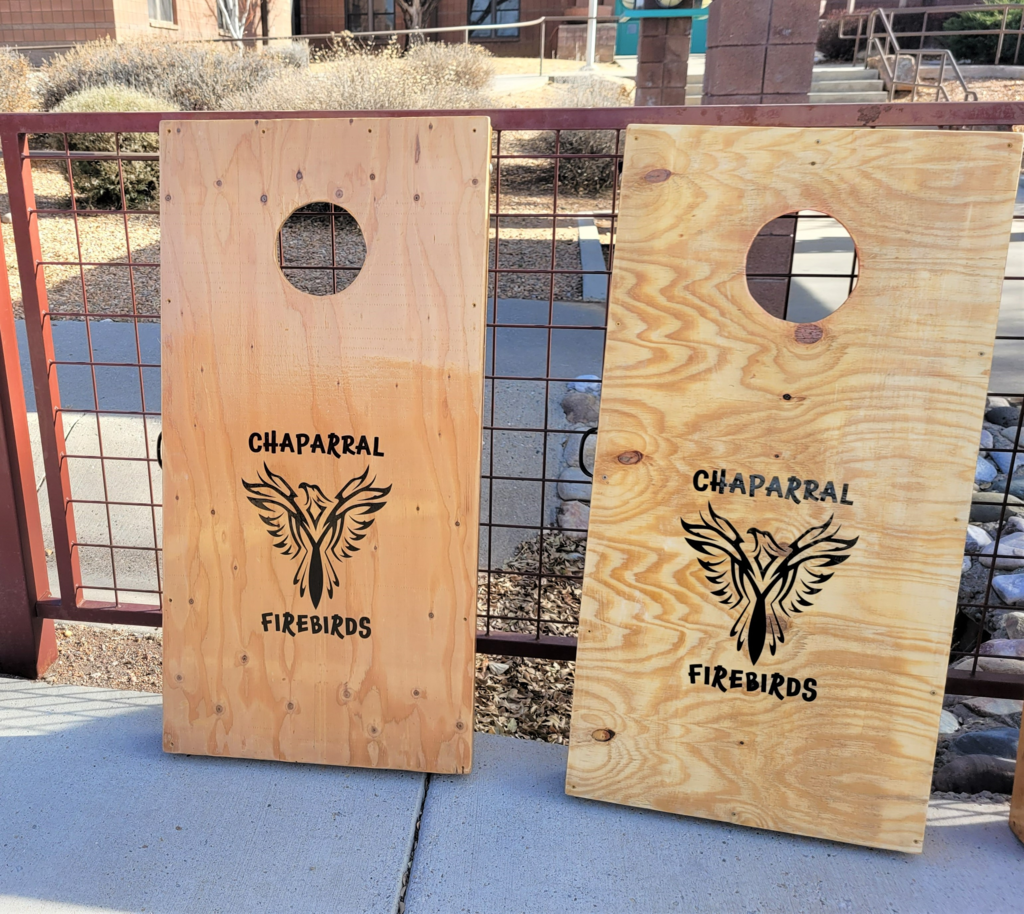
765, 579
316, 530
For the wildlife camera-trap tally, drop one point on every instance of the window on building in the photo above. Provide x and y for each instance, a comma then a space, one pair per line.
370, 15
161, 10
484, 12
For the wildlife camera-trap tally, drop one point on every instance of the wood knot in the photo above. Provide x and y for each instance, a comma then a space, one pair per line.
603, 735
657, 176
629, 457
808, 333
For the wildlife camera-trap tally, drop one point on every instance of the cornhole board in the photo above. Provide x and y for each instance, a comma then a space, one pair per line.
320, 596
793, 681
1017, 800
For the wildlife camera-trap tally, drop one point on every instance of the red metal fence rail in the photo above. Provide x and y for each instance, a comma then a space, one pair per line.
93, 485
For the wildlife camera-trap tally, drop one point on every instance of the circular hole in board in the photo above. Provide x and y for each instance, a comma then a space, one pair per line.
802, 266
320, 248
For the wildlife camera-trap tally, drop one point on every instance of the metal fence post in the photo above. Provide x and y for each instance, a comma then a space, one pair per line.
18, 168
27, 643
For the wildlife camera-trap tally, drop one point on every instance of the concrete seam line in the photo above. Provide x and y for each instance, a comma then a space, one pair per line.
413, 844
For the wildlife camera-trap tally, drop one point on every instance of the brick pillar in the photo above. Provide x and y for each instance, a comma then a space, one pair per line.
760, 51
661, 60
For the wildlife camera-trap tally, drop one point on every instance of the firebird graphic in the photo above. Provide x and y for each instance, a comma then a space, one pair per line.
318, 531
767, 578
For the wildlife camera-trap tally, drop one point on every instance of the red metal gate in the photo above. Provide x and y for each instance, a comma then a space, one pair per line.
89, 483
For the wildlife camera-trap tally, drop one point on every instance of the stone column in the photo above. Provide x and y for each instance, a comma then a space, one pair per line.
760, 51
661, 60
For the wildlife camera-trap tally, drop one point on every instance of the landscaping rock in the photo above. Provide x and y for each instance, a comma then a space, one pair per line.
1014, 624
1009, 587
583, 408
573, 485
586, 383
986, 439
1003, 647
1014, 524
1003, 459
1000, 742
1016, 485
572, 516
975, 773
571, 452
948, 722
965, 566
1003, 415
994, 707
987, 507
992, 665
984, 472
977, 539
1011, 552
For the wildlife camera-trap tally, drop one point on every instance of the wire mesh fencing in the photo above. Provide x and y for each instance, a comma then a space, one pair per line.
83, 252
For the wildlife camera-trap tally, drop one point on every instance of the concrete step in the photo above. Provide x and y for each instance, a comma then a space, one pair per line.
843, 74
853, 85
839, 98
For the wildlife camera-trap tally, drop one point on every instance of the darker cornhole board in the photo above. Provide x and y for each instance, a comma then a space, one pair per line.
320, 596
770, 648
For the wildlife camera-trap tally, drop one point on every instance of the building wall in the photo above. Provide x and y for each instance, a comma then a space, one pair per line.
322, 16
456, 12
319, 17
41, 22
28, 22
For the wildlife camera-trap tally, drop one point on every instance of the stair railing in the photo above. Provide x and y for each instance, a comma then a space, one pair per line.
889, 54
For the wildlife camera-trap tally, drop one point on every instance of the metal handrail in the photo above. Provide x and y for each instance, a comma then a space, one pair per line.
891, 45
924, 11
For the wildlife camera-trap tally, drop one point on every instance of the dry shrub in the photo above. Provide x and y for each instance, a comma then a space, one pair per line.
195, 77
469, 65
585, 176
98, 183
352, 77
15, 94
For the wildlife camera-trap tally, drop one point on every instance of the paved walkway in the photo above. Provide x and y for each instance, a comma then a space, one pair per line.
94, 817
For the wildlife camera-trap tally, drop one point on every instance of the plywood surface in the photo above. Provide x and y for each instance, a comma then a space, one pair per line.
842, 595
1017, 800
369, 540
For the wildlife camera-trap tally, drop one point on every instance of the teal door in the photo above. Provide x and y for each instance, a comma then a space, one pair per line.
627, 32
627, 36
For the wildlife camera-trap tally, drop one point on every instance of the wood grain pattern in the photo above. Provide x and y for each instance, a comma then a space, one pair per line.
1017, 800
888, 403
397, 357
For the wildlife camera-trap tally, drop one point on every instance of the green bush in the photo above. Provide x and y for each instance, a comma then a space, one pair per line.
195, 77
981, 49
354, 77
15, 94
98, 182
830, 44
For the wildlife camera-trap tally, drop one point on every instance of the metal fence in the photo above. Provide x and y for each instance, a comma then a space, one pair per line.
88, 546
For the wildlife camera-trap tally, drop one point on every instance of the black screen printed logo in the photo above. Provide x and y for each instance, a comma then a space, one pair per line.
314, 529
763, 579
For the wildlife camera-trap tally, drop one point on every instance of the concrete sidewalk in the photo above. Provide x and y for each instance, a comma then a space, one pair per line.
95, 817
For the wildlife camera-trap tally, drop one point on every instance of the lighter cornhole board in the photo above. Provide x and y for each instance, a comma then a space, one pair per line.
844, 592
320, 607
1017, 800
